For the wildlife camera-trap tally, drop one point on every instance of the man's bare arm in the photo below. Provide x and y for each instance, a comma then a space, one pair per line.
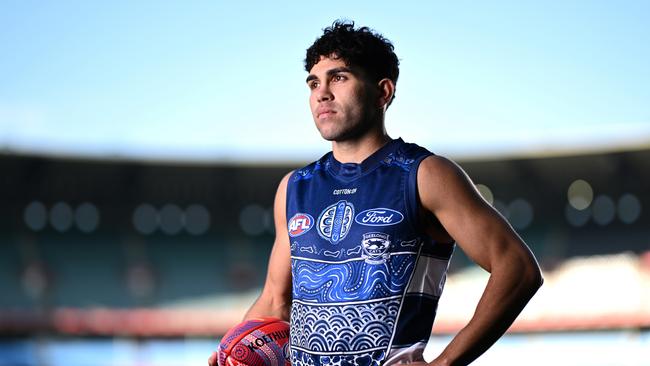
275, 299
485, 236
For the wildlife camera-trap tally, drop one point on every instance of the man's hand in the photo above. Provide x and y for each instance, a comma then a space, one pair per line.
212, 361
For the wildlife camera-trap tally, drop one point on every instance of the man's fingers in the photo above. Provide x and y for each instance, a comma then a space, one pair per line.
212, 361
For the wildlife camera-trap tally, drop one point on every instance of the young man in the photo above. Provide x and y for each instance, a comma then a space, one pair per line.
364, 235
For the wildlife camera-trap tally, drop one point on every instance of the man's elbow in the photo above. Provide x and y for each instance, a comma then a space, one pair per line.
532, 277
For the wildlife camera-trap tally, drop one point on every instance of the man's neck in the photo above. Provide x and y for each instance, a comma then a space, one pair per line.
357, 150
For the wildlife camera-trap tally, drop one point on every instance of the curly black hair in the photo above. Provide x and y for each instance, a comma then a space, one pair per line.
361, 47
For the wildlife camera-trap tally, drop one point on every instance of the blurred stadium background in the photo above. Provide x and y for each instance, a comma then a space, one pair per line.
141, 144
148, 263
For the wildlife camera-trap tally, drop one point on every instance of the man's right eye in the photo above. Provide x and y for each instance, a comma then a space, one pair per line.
312, 85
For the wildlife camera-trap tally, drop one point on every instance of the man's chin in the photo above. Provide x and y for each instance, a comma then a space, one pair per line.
328, 135
337, 138
329, 138
338, 134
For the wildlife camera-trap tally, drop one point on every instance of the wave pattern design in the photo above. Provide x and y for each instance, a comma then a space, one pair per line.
343, 328
351, 281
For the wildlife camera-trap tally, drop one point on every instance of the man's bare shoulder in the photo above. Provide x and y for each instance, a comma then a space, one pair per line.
443, 183
437, 168
285, 180
279, 209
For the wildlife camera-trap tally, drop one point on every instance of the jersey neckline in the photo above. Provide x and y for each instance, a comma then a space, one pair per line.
351, 171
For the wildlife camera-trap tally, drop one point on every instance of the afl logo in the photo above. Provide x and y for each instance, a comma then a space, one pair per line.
299, 224
335, 221
379, 217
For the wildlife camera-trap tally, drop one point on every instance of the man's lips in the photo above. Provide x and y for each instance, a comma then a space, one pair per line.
320, 113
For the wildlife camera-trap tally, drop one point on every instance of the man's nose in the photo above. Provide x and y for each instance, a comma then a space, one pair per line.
324, 93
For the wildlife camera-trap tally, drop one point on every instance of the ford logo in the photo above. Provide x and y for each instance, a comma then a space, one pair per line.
379, 217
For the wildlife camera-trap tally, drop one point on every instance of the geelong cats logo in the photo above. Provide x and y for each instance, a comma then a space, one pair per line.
335, 221
375, 247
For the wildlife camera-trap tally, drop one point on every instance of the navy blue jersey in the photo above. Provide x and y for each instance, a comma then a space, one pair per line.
366, 279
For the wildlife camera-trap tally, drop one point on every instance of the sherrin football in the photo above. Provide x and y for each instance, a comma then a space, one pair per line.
256, 342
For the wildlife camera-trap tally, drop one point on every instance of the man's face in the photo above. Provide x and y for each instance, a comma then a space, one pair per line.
343, 102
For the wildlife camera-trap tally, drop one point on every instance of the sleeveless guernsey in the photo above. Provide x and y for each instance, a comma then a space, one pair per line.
366, 279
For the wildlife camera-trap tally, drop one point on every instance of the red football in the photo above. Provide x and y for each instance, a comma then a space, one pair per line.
256, 342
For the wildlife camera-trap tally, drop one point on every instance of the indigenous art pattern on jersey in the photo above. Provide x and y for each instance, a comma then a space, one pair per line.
366, 280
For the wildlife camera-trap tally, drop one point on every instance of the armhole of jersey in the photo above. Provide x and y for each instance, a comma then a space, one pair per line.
411, 190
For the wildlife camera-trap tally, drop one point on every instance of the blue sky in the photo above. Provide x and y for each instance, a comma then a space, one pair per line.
224, 81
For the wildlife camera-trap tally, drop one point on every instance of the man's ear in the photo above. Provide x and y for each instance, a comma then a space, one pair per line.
386, 92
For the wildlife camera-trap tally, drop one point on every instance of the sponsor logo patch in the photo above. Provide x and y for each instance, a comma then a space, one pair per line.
344, 191
379, 217
335, 221
375, 247
299, 224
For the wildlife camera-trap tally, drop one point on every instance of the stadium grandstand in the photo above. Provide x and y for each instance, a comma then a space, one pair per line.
130, 253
